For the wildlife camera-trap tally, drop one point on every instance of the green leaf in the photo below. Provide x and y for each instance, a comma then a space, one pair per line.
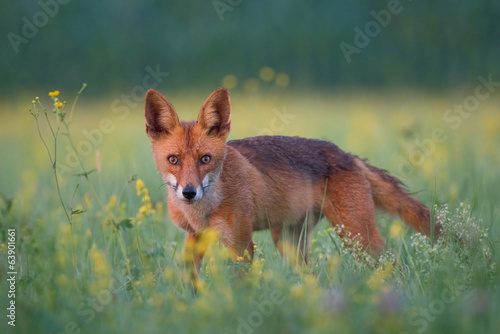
87, 173
8, 204
25, 280
125, 223
77, 211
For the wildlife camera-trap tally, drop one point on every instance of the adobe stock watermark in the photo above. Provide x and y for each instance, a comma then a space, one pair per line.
225, 6
12, 277
363, 38
31, 27
261, 310
277, 123
454, 118
422, 316
89, 307
121, 108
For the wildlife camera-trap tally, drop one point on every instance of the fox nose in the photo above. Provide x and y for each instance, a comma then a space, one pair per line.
189, 192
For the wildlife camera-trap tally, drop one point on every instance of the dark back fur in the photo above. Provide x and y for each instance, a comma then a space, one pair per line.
315, 158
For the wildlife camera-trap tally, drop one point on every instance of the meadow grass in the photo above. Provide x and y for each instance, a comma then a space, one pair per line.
118, 264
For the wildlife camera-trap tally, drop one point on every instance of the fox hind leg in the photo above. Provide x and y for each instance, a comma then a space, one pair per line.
349, 205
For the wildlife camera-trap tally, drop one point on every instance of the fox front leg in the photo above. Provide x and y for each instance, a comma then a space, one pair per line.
193, 256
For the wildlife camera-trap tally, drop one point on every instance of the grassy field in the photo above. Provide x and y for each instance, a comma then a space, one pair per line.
115, 263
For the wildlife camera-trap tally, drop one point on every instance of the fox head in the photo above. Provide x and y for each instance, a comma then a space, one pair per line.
189, 155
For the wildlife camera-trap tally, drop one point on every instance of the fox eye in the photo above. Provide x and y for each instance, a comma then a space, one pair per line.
205, 159
173, 160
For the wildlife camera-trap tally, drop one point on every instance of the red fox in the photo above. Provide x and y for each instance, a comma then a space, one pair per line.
284, 184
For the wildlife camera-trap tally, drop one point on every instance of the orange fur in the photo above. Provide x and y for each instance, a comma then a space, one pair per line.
285, 184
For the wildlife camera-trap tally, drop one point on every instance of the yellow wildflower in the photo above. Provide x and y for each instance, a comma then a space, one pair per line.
112, 203
139, 186
100, 269
143, 212
268, 275
65, 234
58, 105
62, 280
87, 199
159, 207
207, 239
156, 301
199, 285
149, 280
203, 306
298, 292
454, 191
146, 199
180, 306
290, 252
147, 207
396, 230
378, 277
54, 93
333, 264
168, 274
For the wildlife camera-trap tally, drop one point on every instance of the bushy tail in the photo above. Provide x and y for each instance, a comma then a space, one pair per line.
390, 195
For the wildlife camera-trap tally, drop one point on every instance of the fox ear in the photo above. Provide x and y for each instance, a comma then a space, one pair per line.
159, 114
215, 114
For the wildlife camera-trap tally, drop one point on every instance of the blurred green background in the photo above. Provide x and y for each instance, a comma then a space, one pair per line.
425, 45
